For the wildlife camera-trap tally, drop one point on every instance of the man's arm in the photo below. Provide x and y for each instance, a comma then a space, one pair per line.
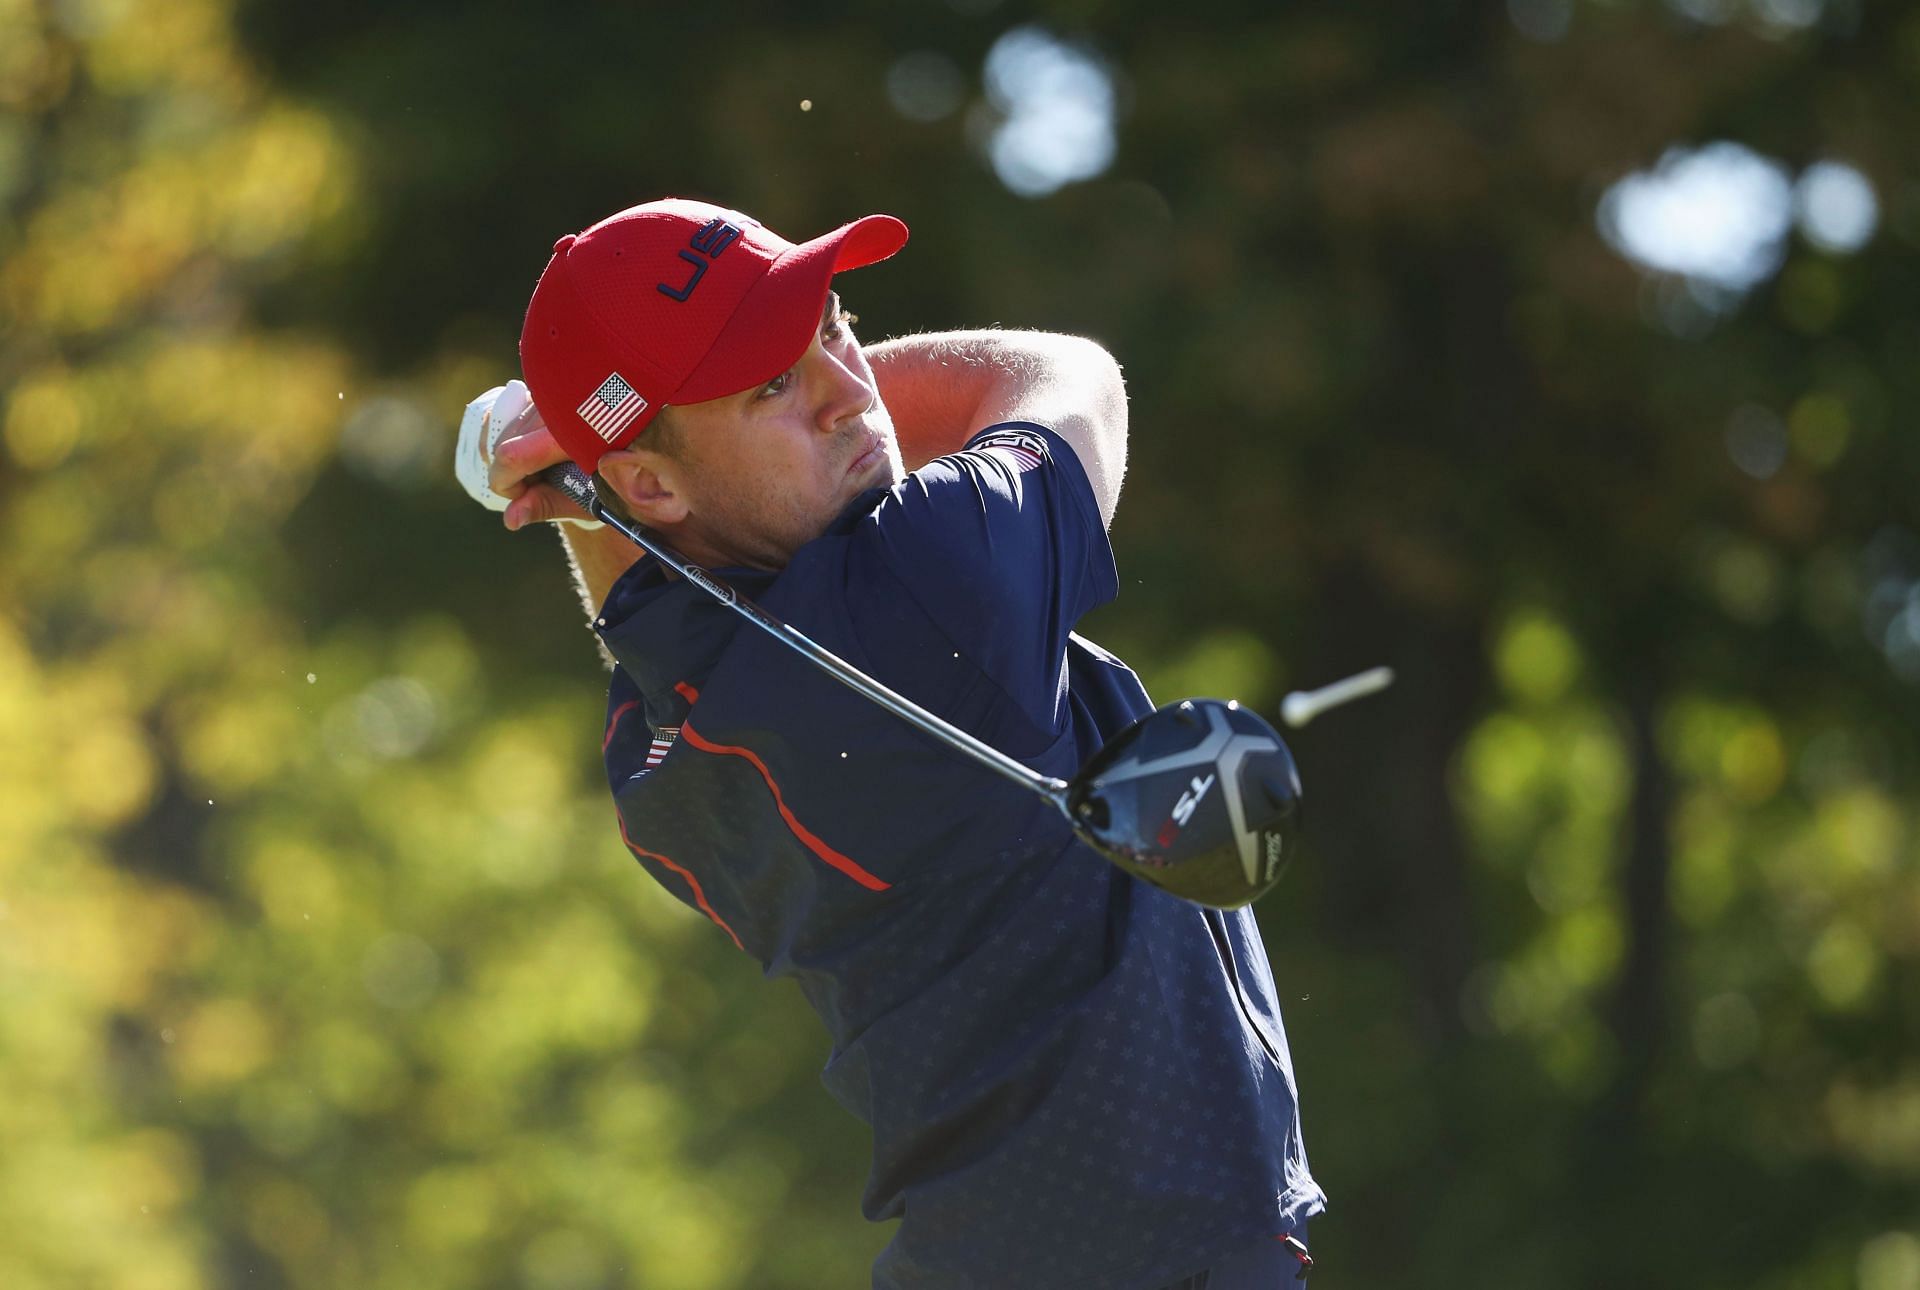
945, 387
597, 556
942, 389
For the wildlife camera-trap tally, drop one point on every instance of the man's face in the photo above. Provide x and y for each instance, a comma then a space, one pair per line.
764, 471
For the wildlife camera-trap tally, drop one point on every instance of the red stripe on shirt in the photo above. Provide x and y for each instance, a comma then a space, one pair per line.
686, 692
614, 721
699, 896
812, 843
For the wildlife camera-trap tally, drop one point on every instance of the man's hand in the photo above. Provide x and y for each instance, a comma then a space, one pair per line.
503, 446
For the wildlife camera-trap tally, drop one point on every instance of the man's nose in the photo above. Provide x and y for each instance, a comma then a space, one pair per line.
849, 394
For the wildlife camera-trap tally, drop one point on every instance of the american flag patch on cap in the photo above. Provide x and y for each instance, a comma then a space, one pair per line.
611, 408
1027, 449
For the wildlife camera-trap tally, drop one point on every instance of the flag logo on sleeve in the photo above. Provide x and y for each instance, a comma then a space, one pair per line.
1026, 449
612, 407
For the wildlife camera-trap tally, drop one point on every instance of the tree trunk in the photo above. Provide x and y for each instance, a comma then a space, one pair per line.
1639, 1009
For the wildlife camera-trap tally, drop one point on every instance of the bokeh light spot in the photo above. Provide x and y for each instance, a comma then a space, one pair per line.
1890, 1261
1057, 107
1536, 658
1718, 214
390, 720
1788, 15
1835, 207
1821, 426
400, 971
925, 86
1542, 20
394, 440
1842, 966
1710, 13
43, 423
1753, 761
1757, 441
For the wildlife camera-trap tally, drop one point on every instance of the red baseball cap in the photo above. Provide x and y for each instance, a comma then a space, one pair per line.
675, 302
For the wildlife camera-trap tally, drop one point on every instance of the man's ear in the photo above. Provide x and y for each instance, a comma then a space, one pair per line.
648, 483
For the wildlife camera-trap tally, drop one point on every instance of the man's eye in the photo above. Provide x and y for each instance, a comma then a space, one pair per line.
778, 385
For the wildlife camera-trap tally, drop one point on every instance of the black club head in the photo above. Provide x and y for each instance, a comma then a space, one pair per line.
1200, 798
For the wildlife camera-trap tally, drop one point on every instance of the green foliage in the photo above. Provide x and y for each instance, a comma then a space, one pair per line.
321, 962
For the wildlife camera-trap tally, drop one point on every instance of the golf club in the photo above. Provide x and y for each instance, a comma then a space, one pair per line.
1303, 706
1200, 798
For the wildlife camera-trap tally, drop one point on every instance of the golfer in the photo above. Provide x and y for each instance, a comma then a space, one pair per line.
1072, 1079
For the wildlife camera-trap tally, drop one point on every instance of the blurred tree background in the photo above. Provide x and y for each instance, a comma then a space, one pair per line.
1563, 354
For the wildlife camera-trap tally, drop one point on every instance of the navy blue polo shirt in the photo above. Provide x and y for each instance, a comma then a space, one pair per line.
1072, 1079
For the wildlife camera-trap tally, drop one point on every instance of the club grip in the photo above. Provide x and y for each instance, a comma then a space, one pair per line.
573, 481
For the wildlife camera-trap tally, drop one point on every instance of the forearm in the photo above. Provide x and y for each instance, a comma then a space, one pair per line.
937, 384
945, 387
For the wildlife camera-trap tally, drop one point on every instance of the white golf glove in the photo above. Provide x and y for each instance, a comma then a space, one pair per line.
500, 413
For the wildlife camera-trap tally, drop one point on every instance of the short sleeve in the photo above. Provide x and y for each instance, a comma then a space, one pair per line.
1002, 546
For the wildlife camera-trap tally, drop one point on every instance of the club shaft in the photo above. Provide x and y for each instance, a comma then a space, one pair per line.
1302, 707
1354, 687
572, 481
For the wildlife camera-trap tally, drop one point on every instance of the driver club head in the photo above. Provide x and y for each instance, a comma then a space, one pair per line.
1200, 798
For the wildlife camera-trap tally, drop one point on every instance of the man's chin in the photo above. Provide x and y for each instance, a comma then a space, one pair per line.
891, 466
885, 472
